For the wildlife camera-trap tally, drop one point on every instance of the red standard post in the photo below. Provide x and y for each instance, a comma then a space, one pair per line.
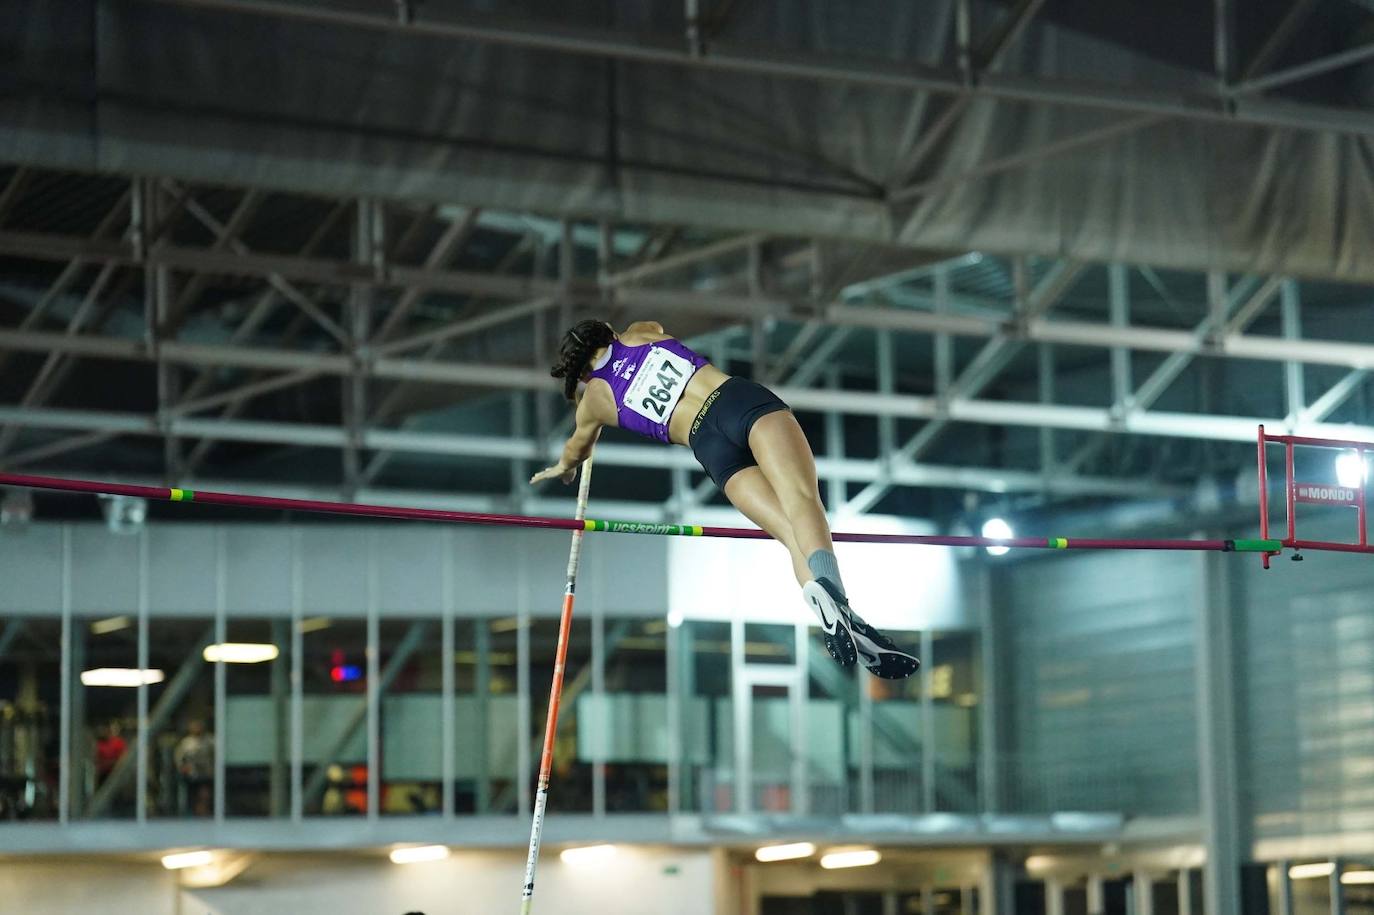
1263, 497
1291, 493
1360, 508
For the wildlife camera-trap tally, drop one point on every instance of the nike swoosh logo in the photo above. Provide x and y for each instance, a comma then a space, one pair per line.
826, 623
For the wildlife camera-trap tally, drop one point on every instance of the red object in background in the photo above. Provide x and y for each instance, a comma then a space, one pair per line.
1295, 492
345, 673
108, 751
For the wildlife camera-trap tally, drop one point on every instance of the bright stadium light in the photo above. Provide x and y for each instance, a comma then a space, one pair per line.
997, 529
785, 852
416, 854
1311, 871
186, 859
240, 653
588, 855
850, 857
1357, 878
1351, 470
120, 676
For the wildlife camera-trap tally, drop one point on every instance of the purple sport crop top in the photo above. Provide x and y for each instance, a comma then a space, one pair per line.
647, 382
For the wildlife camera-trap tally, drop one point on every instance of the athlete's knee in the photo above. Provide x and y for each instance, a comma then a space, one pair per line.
800, 495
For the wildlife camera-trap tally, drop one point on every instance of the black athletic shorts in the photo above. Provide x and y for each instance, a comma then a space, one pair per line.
720, 433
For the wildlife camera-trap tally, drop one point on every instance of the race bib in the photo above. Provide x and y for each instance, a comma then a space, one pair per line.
658, 385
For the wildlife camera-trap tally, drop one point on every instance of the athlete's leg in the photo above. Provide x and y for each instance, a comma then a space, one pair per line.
784, 456
750, 492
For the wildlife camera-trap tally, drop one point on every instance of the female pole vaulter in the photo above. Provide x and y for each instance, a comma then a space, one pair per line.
744, 437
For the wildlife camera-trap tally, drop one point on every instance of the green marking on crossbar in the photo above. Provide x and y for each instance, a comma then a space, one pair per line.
1257, 546
643, 527
183, 495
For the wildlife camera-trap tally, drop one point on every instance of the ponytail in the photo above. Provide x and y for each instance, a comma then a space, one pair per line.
576, 350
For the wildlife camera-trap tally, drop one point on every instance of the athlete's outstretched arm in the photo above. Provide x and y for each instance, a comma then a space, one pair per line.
577, 448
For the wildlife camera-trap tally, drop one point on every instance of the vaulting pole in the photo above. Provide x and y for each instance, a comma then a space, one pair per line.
541, 797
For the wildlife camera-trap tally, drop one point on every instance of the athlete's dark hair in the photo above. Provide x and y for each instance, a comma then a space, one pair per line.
575, 352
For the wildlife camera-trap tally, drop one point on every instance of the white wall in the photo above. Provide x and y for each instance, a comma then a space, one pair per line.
665, 882
94, 888
894, 586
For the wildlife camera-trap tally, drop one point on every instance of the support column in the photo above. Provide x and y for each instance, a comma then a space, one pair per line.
979, 584
1285, 887
1097, 900
1119, 304
279, 686
1295, 397
1054, 897
1217, 764
836, 493
1337, 889
1144, 888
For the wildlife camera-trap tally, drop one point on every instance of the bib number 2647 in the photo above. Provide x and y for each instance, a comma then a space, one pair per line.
659, 385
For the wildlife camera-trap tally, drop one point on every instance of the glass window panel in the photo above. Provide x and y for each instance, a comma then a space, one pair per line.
572, 770
954, 693
707, 723
104, 715
412, 720
1357, 882
257, 730
770, 762
770, 643
30, 707
898, 738
486, 709
1312, 895
181, 719
1166, 897
334, 717
832, 717
632, 726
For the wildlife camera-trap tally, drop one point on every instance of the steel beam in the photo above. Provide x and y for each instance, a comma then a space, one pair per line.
766, 62
707, 252
986, 365
1033, 329
644, 456
70, 271
1295, 395
238, 251
1278, 39
1335, 395
13, 188
449, 244
1307, 70
1030, 156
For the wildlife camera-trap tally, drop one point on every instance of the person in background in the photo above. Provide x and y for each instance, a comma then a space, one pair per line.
194, 758
110, 747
